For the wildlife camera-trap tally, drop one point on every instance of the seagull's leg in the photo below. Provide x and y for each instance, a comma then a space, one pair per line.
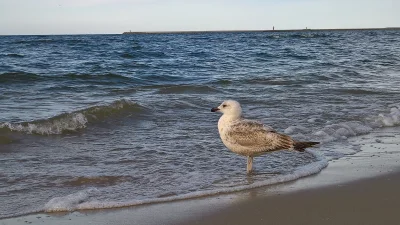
249, 164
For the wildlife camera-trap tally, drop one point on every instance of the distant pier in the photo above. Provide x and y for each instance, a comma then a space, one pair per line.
273, 30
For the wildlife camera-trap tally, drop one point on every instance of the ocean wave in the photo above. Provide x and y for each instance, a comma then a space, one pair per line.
300, 57
390, 119
17, 77
265, 55
342, 131
107, 78
73, 121
222, 82
298, 35
274, 81
69, 202
359, 91
351, 72
123, 91
160, 79
34, 41
309, 35
96, 180
96, 78
127, 56
5, 140
22, 77
136, 46
152, 54
187, 89
14, 55
200, 54
86, 199
345, 130
138, 53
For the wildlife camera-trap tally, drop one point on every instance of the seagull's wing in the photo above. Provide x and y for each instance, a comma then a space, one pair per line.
260, 138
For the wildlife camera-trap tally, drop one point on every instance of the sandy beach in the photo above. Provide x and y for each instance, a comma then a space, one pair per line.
357, 189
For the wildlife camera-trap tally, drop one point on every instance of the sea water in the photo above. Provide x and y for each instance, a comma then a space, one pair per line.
102, 121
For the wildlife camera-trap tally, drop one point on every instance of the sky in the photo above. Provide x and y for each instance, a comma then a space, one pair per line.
117, 16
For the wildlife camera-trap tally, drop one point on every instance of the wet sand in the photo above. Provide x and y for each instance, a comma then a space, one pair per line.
359, 189
370, 201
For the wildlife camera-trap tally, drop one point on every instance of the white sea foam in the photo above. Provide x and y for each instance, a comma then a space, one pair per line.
333, 132
81, 200
69, 202
342, 131
312, 120
72, 122
391, 119
296, 129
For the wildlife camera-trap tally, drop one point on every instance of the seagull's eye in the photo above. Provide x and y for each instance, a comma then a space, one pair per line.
224, 106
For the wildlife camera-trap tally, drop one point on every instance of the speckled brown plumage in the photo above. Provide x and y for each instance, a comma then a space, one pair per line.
251, 138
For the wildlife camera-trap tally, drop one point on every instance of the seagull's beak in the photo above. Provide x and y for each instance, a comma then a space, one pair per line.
215, 109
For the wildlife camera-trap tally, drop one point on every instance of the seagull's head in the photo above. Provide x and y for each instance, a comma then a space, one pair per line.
229, 108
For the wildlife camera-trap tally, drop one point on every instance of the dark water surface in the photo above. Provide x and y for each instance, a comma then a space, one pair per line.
99, 121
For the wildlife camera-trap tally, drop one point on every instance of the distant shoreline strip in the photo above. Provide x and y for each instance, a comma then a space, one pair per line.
239, 31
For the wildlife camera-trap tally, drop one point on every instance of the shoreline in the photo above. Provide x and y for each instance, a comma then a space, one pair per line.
240, 31
377, 167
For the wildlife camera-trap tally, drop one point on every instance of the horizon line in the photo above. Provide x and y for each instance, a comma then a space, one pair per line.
213, 31
259, 30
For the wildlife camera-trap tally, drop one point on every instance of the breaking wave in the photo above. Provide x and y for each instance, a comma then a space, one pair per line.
345, 130
73, 121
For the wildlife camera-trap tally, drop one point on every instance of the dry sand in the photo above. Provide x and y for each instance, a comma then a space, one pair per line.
358, 189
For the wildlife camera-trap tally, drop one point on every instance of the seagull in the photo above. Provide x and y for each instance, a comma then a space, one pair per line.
249, 137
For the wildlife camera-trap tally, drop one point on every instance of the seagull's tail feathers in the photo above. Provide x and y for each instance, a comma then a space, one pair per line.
301, 146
